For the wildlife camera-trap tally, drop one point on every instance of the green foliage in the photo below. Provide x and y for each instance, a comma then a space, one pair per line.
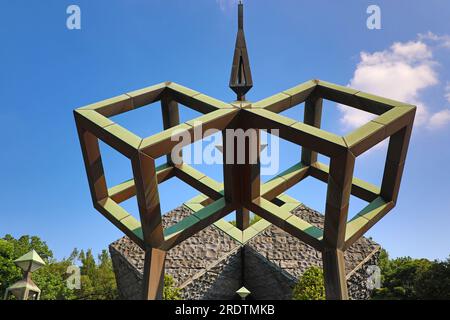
400, 277
51, 279
252, 221
97, 280
383, 260
255, 219
435, 282
11, 249
26, 243
170, 291
413, 279
97, 275
9, 273
310, 286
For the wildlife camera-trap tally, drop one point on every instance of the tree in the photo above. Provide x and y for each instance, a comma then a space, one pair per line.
383, 260
97, 280
400, 277
310, 286
411, 279
97, 276
9, 273
51, 279
11, 249
434, 283
26, 243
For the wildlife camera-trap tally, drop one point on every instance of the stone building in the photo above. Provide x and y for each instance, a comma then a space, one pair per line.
216, 262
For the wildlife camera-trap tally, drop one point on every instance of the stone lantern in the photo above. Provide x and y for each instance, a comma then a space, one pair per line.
26, 289
243, 293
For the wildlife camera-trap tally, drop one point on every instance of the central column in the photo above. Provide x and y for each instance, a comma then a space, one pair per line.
241, 155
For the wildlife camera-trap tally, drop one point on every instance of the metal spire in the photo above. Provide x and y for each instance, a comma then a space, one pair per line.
241, 76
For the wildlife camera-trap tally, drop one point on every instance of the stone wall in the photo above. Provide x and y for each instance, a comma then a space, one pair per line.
193, 257
220, 282
128, 277
211, 265
358, 281
284, 252
294, 256
264, 279
267, 281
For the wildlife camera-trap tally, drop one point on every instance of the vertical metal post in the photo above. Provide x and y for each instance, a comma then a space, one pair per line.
313, 117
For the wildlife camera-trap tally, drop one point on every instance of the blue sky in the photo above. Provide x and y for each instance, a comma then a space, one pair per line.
47, 70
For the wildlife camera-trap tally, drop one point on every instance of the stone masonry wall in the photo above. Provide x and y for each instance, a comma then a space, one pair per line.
220, 282
358, 282
283, 252
208, 266
188, 260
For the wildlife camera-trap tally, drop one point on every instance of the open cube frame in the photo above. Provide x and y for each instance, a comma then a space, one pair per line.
241, 190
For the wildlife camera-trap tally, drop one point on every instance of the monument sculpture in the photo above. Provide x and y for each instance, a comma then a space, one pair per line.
242, 191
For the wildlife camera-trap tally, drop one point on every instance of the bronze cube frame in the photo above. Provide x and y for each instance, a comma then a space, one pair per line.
242, 190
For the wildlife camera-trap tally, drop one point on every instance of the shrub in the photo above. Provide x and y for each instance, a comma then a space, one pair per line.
170, 291
310, 285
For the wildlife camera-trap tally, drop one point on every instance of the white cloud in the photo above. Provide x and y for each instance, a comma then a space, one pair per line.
439, 119
227, 4
447, 92
401, 72
443, 40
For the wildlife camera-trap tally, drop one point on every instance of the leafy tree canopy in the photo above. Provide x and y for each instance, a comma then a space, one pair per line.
97, 275
413, 279
97, 278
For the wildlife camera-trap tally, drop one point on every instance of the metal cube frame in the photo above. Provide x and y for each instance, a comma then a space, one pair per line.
242, 190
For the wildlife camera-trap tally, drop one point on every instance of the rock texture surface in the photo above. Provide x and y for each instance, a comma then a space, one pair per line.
211, 265
279, 251
196, 264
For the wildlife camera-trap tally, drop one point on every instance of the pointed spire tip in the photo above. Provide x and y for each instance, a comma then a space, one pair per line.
241, 75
